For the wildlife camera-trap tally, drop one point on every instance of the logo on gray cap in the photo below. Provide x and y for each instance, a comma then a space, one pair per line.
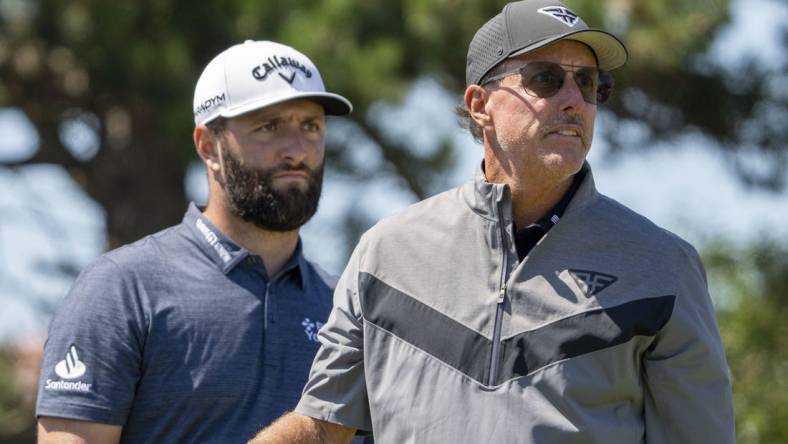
564, 15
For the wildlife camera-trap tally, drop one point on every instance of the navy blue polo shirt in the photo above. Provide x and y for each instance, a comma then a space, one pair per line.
181, 337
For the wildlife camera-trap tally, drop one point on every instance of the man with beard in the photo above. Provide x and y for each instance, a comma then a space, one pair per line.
205, 331
523, 306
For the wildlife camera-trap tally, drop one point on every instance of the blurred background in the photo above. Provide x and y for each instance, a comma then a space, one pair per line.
96, 150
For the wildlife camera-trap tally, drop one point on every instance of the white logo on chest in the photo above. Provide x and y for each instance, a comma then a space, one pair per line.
311, 328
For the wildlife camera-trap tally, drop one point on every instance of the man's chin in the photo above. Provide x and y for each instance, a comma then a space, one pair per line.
565, 161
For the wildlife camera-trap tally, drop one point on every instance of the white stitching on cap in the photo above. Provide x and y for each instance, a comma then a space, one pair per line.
563, 15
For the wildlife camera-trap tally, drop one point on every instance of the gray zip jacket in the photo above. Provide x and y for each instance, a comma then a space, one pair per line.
604, 333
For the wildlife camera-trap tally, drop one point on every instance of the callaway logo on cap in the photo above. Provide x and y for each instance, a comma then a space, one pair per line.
256, 74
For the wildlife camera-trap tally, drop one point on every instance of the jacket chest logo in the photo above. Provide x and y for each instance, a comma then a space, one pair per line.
592, 283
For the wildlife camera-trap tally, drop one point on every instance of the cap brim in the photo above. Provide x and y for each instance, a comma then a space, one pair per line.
610, 51
334, 104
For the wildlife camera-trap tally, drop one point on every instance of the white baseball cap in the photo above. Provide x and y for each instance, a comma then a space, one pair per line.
256, 74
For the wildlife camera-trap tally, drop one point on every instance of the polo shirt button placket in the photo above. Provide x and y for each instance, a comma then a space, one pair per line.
270, 302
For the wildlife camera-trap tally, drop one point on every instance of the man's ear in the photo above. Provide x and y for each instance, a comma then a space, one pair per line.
476, 102
207, 145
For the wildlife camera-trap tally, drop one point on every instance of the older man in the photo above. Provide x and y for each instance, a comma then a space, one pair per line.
205, 331
524, 306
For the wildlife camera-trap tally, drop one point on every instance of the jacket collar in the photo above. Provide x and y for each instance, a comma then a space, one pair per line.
488, 200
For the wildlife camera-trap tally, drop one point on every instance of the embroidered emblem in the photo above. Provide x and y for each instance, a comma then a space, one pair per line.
311, 328
71, 367
592, 282
564, 15
277, 63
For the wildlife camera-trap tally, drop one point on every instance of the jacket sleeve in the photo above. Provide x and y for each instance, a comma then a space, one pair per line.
336, 390
688, 388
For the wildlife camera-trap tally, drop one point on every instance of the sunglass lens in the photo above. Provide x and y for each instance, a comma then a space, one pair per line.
587, 80
605, 87
543, 78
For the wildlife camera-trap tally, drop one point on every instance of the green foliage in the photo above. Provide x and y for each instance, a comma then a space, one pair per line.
17, 423
666, 33
753, 308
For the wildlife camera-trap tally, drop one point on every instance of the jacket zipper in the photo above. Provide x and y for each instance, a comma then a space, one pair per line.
496, 344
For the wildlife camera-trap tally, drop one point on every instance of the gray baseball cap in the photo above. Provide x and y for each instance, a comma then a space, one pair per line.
526, 25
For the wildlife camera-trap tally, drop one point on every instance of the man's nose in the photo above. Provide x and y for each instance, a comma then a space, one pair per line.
570, 94
296, 146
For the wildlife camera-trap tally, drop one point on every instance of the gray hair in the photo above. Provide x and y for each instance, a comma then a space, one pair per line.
464, 118
465, 121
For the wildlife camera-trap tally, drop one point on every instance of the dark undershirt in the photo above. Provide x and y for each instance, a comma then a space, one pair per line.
526, 238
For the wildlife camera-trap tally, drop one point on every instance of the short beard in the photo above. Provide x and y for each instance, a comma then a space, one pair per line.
252, 196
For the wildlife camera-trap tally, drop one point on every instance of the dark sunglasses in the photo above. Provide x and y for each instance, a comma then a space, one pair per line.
545, 79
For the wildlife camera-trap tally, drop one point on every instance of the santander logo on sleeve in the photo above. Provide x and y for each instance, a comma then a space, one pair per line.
69, 368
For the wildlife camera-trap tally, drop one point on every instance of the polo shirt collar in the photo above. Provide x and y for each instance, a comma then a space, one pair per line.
302, 267
294, 266
226, 254
552, 217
